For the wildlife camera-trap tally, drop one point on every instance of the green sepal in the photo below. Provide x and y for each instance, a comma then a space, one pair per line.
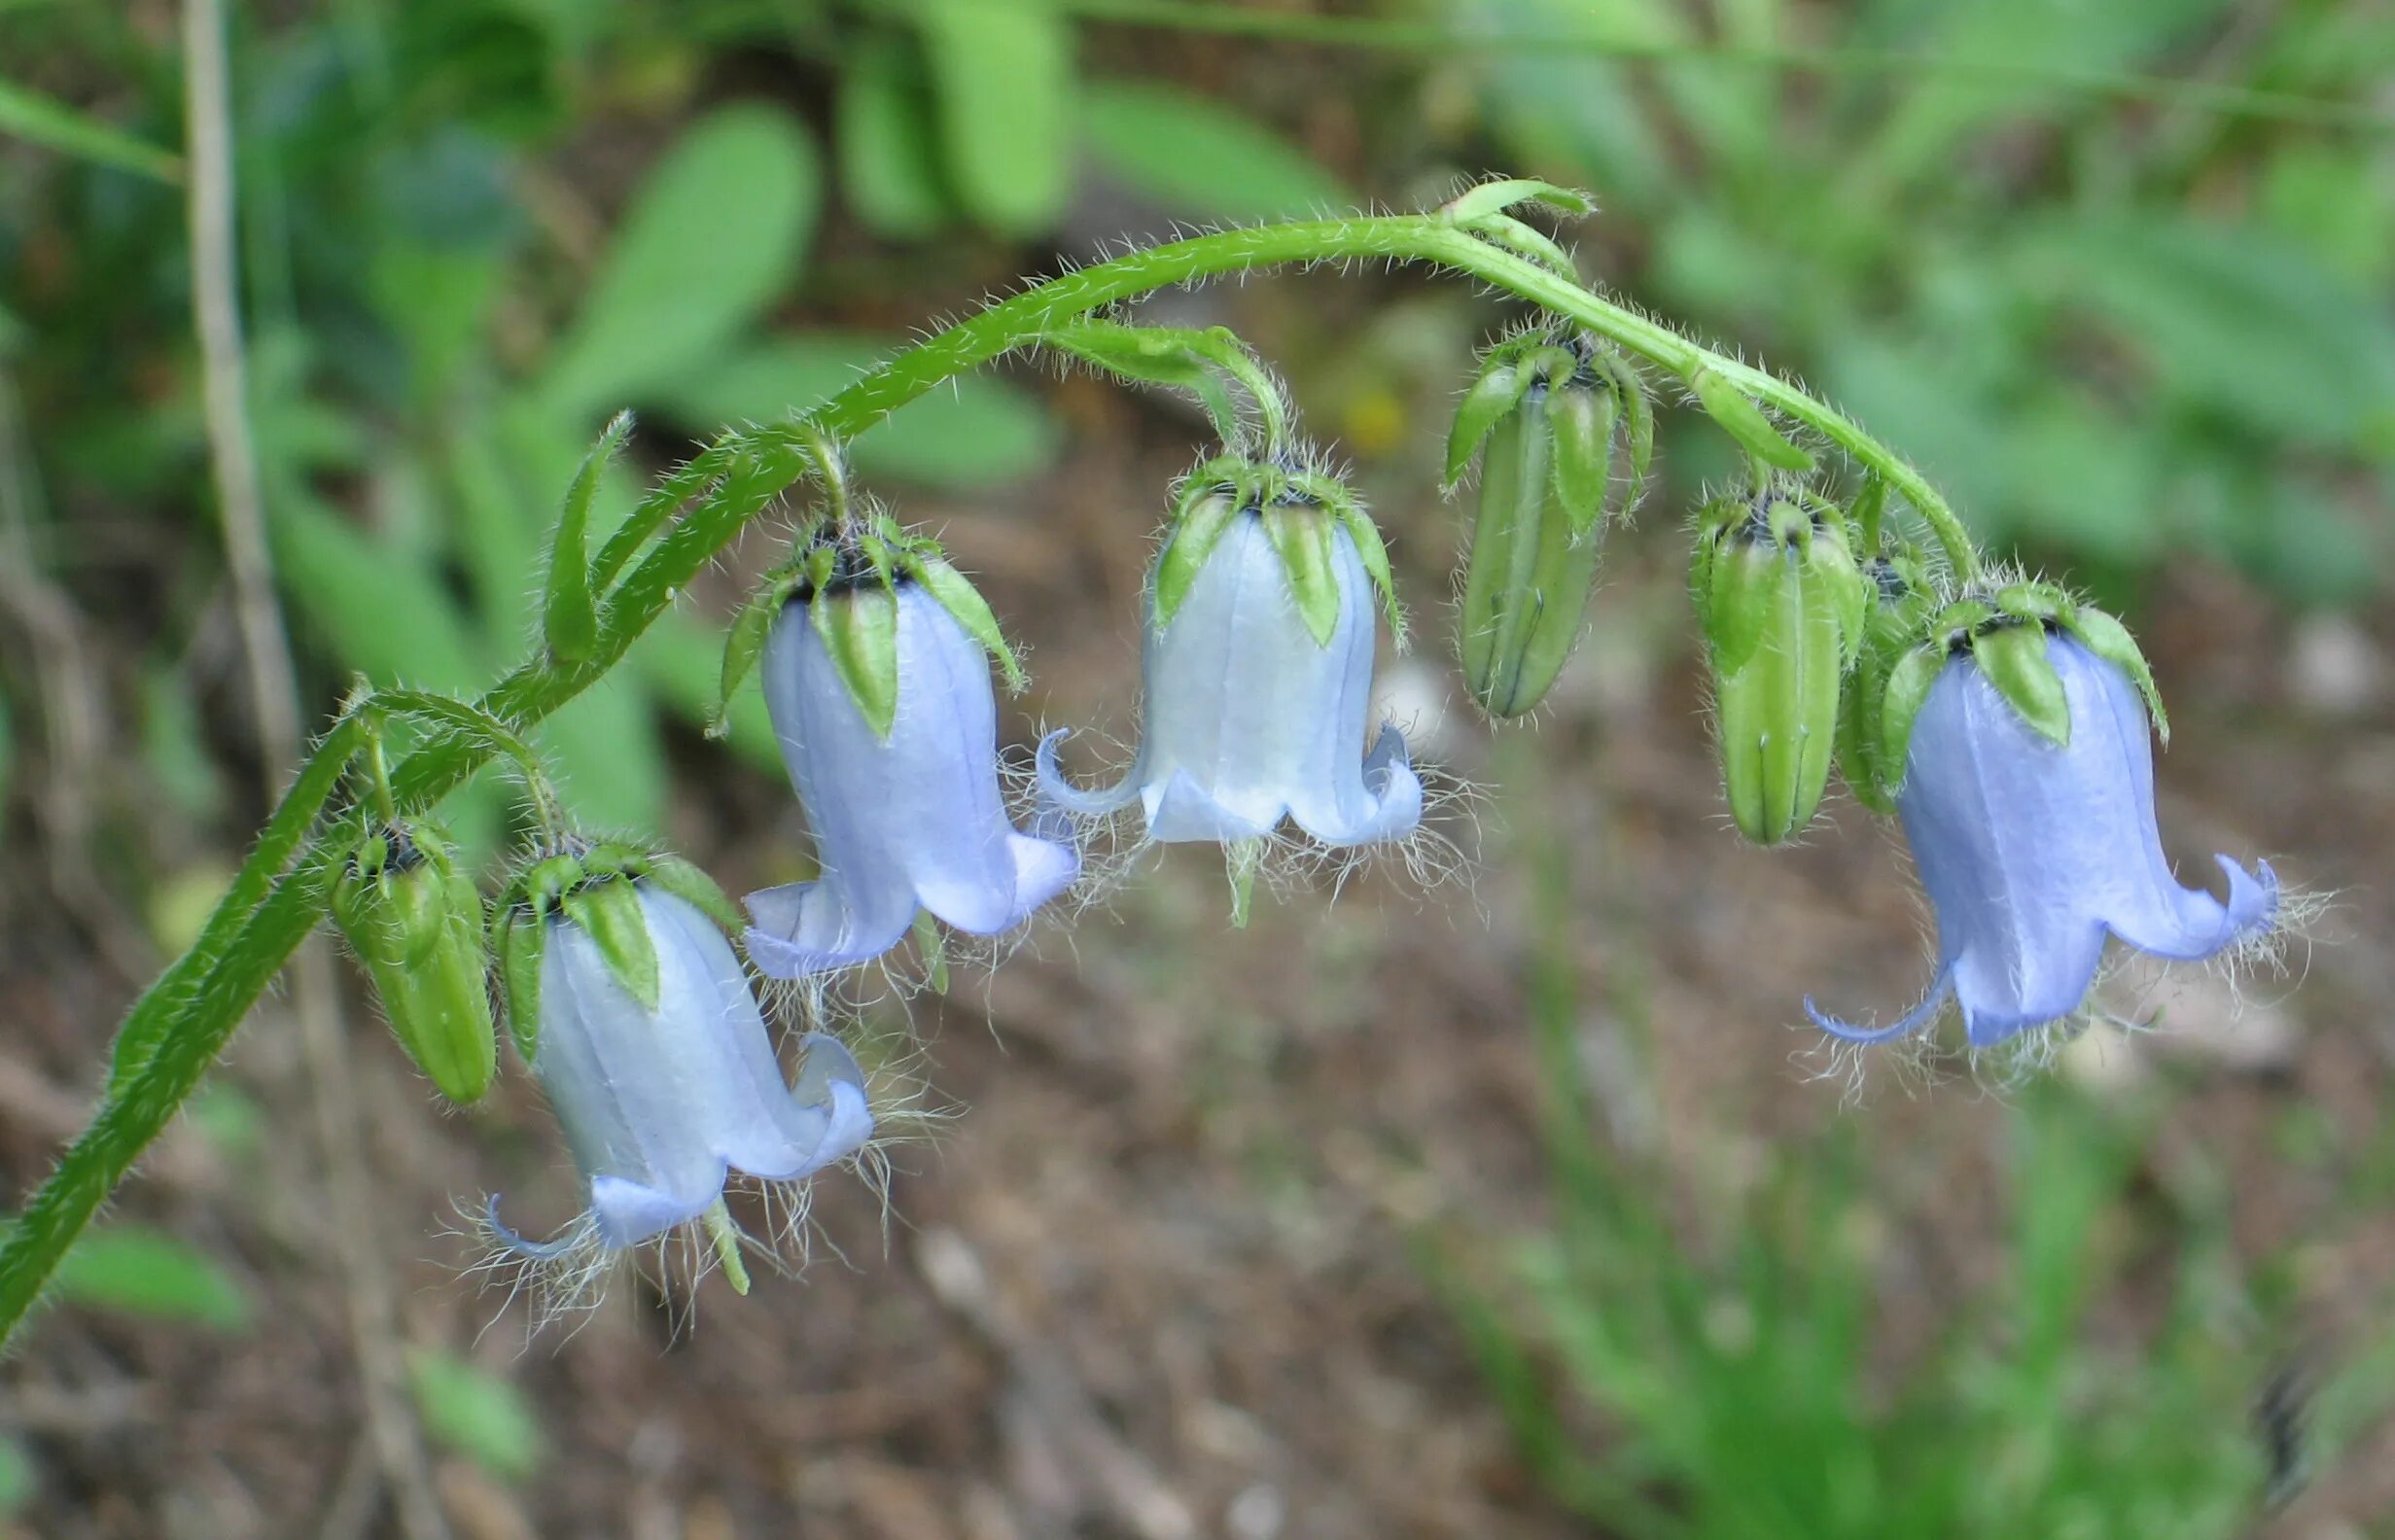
1637, 420
933, 942
2105, 636
521, 934
1204, 518
569, 612
1494, 197
2013, 658
1749, 578
1301, 533
610, 913
1830, 562
1582, 421
1500, 387
1859, 739
1373, 552
958, 596
1900, 706
1736, 414
859, 626
1869, 514
2037, 603
692, 886
745, 642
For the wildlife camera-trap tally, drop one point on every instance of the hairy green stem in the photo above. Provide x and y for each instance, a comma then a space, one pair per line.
180, 1026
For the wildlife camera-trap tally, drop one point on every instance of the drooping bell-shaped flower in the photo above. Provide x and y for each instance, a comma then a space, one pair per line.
1257, 671
882, 702
644, 1033
2035, 851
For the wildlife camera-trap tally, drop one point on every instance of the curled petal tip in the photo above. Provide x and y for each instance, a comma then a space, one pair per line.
1059, 792
537, 1250
1904, 1026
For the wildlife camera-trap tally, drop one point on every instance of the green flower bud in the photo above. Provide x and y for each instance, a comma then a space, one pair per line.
417, 924
1783, 605
1545, 418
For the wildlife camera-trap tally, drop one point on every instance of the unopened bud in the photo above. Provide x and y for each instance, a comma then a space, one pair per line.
417, 924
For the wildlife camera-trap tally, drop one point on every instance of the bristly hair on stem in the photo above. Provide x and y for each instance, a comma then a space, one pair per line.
176, 1030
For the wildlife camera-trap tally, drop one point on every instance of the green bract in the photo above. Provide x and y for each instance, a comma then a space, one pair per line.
1783, 607
416, 924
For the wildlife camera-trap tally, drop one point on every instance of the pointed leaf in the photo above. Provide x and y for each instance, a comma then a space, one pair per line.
610, 913
1496, 197
1166, 356
1741, 419
29, 115
859, 628
1373, 552
568, 615
743, 645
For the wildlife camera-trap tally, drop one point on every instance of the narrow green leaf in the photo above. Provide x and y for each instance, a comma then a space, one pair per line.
1166, 356
714, 234
143, 1272
1200, 158
610, 913
1003, 73
1373, 552
859, 628
1496, 197
1741, 419
476, 1413
29, 115
570, 618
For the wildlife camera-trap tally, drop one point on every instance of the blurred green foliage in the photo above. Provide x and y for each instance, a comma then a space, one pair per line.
137, 1271
2109, 330
477, 1414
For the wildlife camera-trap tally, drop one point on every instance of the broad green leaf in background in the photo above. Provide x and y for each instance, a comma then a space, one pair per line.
882, 133
477, 1414
2230, 318
1001, 71
143, 1272
975, 433
8, 760
683, 660
382, 614
717, 230
29, 115
1200, 158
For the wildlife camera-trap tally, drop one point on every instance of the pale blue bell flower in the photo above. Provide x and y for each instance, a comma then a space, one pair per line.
1248, 719
659, 1107
912, 822
2034, 853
